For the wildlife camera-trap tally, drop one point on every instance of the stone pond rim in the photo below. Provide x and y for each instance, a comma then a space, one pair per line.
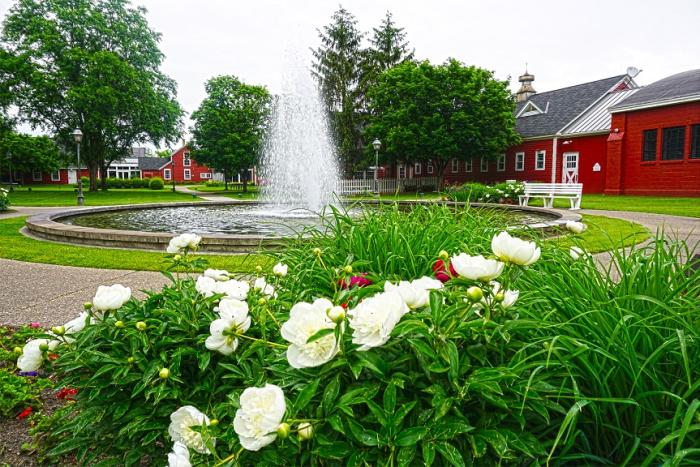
45, 226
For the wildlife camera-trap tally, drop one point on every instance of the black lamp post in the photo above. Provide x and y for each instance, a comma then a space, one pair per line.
172, 170
376, 144
78, 137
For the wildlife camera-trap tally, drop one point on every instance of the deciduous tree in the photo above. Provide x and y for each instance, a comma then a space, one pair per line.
229, 126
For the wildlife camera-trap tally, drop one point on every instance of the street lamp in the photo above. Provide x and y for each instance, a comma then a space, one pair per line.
78, 137
376, 144
172, 171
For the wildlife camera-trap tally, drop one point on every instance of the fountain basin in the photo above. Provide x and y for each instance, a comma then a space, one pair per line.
238, 231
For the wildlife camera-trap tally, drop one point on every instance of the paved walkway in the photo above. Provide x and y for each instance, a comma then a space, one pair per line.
54, 294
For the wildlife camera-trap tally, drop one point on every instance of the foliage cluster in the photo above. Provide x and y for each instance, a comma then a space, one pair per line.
156, 183
4, 200
114, 182
481, 193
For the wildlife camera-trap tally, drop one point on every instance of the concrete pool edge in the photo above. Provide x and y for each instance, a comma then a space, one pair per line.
46, 227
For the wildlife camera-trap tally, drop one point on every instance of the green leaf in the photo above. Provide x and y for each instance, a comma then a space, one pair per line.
306, 395
320, 334
364, 435
446, 430
450, 454
390, 398
428, 449
406, 455
335, 450
330, 394
411, 436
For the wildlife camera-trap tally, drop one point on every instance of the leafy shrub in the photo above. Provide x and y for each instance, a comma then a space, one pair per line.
478, 192
19, 392
214, 183
114, 182
85, 181
127, 183
156, 183
139, 183
4, 200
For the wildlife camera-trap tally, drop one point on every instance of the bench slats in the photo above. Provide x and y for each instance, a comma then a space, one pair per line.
549, 191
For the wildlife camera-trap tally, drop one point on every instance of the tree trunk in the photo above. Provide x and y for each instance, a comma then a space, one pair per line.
225, 181
440, 166
103, 178
92, 173
245, 183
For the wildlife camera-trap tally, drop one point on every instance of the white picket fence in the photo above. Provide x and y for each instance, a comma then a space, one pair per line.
384, 185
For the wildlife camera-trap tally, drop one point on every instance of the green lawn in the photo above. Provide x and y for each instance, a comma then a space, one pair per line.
65, 195
16, 246
689, 207
603, 234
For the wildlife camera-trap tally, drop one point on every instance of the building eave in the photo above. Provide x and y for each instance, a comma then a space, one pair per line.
600, 98
658, 103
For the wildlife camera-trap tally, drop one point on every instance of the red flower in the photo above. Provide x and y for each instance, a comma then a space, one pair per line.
66, 393
24, 414
441, 272
52, 356
344, 305
355, 281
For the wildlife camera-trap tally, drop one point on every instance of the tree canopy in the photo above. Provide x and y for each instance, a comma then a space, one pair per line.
425, 112
229, 125
24, 153
92, 65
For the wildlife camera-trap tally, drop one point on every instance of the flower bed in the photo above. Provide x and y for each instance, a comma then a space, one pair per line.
492, 351
504, 193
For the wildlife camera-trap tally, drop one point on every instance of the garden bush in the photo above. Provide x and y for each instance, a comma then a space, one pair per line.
156, 183
139, 183
127, 183
478, 192
350, 353
4, 200
85, 181
214, 183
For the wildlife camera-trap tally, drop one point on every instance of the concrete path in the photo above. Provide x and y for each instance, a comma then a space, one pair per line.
201, 194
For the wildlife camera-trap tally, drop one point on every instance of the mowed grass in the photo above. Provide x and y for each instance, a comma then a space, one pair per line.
689, 207
19, 247
604, 234
66, 195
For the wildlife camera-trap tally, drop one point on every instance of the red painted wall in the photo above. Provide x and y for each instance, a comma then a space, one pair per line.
591, 149
26, 179
627, 173
179, 173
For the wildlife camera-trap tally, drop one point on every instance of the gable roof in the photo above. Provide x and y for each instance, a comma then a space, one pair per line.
674, 89
561, 106
597, 119
152, 163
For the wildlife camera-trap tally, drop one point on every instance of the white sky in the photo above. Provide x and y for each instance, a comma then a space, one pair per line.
564, 42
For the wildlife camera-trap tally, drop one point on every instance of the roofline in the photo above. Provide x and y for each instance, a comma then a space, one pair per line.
658, 103
588, 133
170, 157
613, 87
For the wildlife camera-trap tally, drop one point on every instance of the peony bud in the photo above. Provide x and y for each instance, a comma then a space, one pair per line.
443, 255
258, 269
214, 422
347, 269
164, 373
499, 297
474, 293
336, 314
119, 324
141, 326
130, 360
87, 305
261, 301
305, 430
58, 330
317, 251
283, 430
177, 257
44, 347
17, 350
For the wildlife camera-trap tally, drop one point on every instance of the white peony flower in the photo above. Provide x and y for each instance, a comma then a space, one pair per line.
575, 227
180, 429
183, 241
76, 325
205, 286
230, 308
110, 297
261, 412
32, 355
373, 319
476, 267
509, 296
280, 270
234, 320
305, 320
180, 456
514, 250
217, 274
415, 294
233, 289
264, 288
576, 253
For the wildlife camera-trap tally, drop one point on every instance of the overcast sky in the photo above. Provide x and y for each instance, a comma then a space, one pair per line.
563, 42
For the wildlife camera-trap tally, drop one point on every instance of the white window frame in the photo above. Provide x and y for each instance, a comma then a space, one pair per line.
519, 161
484, 165
501, 163
56, 176
167, 174
186, 160
539, 153
401, 171
469, 165
37, 176
417, 168
187, 174
205, 175
429, 168
455, 166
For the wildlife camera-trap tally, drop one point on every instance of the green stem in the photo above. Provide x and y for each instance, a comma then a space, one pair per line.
255, 339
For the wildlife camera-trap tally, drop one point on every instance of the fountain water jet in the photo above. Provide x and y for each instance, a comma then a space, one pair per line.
299, 163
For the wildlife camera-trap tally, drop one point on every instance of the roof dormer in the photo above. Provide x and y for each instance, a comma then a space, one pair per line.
529, 109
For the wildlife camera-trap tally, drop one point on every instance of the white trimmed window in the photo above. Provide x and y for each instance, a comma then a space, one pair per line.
519, 161
468, 164
36, 176
402, 171
540, 160
455, 166
484, 164
429, 167
166, 174
56, 176
501, 163
186, 161
188, 174
205, 175
417, 168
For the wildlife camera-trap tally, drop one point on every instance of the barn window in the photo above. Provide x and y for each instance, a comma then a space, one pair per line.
519, 161
468, 164
455, 166
695, 142
540, 160
649, 145
501, 163
673, 141
484, 164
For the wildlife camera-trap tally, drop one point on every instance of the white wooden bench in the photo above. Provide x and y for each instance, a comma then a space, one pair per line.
549, 191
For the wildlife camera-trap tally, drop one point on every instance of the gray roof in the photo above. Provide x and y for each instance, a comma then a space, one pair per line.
597, 119
678, 87
561, 106
152, 163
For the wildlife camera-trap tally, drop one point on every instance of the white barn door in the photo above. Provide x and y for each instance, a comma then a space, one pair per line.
569, 174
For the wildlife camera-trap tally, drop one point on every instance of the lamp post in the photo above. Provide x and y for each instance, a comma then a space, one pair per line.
172, 170
9, 164
376, 144
78, 137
